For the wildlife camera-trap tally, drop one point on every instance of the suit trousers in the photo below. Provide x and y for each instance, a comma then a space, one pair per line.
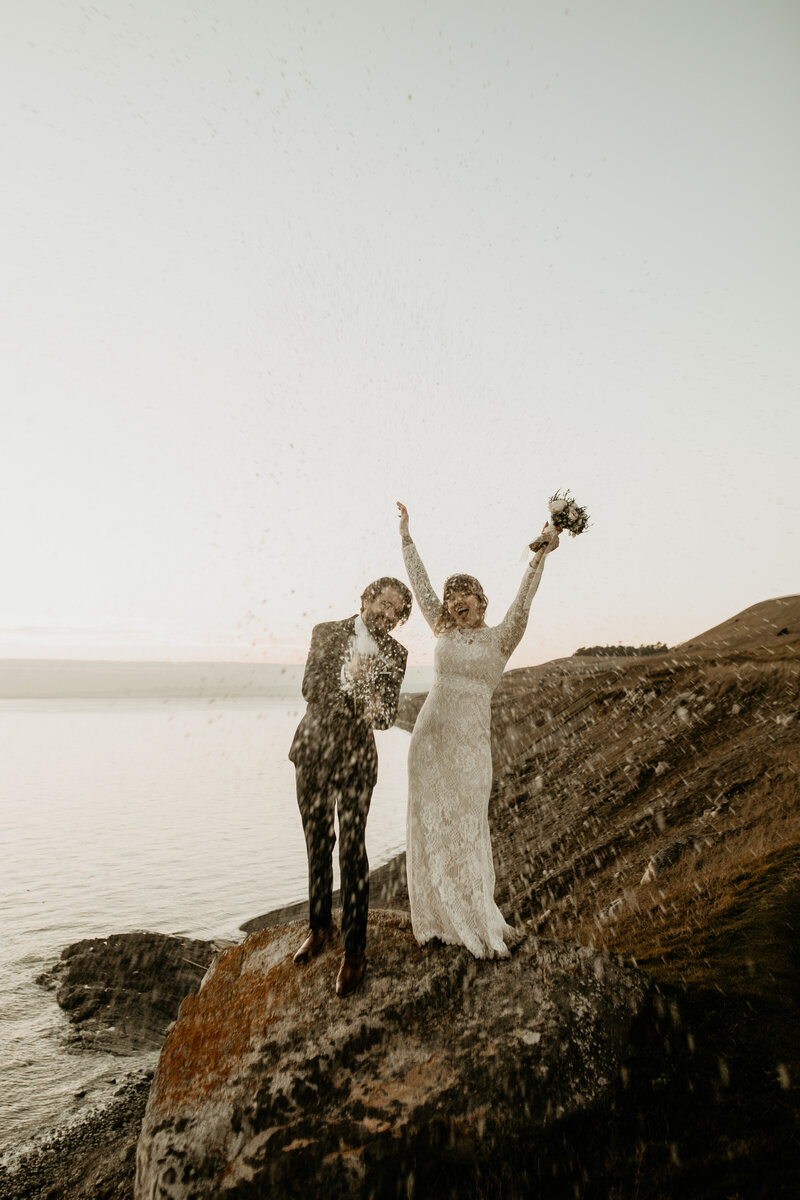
322, 789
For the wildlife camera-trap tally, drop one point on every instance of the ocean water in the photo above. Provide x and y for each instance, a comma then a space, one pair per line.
177, 816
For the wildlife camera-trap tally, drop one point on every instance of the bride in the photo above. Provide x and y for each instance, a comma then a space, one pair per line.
449, 851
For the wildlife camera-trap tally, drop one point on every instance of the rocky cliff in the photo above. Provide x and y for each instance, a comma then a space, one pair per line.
440, 1075
644, 808
646, 826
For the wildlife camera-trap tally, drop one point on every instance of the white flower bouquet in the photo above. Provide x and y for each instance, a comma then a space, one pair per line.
566, 515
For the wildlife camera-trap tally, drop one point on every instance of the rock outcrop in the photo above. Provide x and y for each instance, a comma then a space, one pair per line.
430, 1081
439, 1067
122, 992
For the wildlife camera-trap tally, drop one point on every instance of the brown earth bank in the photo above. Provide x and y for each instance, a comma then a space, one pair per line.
647, 811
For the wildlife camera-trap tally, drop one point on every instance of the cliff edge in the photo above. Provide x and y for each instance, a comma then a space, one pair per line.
441, 1074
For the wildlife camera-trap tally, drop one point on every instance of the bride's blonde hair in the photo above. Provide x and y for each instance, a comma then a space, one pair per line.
467, 584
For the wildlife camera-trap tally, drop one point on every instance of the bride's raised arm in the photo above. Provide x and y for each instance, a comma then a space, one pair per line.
428, 601
514, 623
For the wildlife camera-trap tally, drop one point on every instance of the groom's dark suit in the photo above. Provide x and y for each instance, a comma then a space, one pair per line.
336, 765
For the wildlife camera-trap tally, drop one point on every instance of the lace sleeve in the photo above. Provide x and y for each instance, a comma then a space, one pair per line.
513, 625
427, 599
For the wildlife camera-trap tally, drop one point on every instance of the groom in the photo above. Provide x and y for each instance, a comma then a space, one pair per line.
352, 686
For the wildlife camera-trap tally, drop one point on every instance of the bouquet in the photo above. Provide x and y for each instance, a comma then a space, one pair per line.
360, 679
565, 514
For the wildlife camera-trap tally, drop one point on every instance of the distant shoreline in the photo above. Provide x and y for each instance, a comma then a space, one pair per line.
41, 679
74, 679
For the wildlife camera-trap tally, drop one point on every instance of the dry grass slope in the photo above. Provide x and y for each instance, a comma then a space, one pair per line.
651, 807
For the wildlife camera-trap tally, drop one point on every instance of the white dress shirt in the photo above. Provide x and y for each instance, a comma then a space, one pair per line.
362, 645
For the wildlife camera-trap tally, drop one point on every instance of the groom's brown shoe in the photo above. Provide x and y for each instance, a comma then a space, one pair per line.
351, 972
316, 941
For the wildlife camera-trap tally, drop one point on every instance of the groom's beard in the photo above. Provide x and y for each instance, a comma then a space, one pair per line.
378, 626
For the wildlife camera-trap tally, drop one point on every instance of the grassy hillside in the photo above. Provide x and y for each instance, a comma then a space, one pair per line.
651, 807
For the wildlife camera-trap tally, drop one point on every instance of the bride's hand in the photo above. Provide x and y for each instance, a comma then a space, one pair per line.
403, 519
553, 543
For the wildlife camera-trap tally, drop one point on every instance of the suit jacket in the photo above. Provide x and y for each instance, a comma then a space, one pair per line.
333, 732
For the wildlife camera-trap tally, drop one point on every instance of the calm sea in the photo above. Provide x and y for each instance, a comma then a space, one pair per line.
177, 816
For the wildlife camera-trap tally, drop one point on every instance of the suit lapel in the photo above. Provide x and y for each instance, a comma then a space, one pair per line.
346, 633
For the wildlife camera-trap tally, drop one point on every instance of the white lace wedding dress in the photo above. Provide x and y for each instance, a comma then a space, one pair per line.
448, 850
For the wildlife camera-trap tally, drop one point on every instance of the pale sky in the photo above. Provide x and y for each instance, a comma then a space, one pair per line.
267, 268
